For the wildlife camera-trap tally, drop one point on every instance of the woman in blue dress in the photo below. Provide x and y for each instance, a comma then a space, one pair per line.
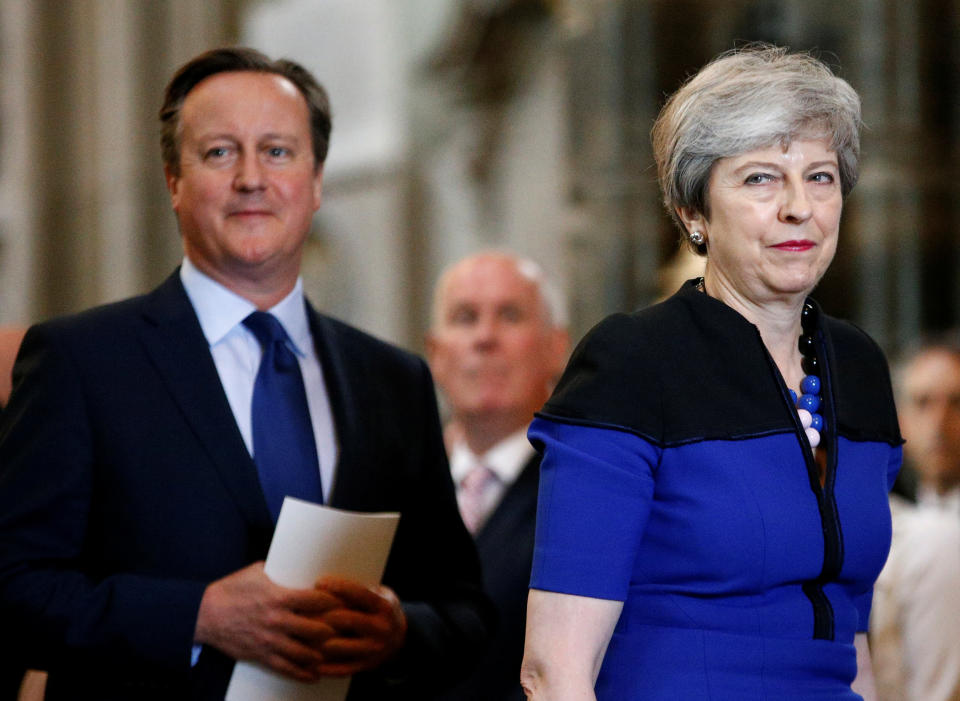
713, 496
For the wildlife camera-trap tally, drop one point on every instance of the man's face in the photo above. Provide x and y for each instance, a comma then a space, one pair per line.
492, 347
930, 417
247, 187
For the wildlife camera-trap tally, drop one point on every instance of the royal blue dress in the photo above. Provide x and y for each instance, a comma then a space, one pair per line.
677, 479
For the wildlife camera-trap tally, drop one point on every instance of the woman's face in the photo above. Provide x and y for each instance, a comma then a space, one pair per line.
774, 218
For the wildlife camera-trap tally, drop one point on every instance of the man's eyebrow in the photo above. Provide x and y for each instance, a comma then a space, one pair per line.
279, 135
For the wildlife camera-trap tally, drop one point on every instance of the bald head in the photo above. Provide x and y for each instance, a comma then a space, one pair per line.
495, 345
547, 293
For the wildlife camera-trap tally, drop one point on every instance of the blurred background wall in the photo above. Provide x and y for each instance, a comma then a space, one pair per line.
465, 124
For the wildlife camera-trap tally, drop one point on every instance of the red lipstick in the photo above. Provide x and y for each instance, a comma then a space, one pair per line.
802, 245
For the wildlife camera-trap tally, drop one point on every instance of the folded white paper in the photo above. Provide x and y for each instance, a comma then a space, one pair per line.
312, 541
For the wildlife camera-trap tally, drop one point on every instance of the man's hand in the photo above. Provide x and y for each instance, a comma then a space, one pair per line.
249, 617
369, 627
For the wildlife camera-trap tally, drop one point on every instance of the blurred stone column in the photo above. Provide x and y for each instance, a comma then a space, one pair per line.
84, 174
105, 149
885, 204
952, 26
489, 141
17, 174
613, 246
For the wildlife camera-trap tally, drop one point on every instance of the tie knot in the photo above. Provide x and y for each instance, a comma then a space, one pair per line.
272, 337
473, 496
266, 327
477, 478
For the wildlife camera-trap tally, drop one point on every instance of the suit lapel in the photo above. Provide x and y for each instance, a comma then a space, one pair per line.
519, 502
174, 341
343, 377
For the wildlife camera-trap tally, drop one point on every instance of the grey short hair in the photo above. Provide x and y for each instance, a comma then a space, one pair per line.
747, 99
553, 299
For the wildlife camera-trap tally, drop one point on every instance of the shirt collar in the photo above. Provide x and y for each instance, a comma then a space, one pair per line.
220, 310
506, 459
944, 502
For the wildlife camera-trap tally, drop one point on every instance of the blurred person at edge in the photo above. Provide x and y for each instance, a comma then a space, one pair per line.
137, 502
10, 338
11, 673
496, 345
915, 622
701, 534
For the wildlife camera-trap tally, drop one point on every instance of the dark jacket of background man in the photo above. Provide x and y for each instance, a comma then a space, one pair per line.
497, 342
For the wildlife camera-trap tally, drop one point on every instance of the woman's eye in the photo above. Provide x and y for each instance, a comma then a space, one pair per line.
822, 177
758, 178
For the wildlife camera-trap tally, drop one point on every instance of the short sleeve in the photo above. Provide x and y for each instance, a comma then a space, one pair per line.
863, 604
596, 486
893, 466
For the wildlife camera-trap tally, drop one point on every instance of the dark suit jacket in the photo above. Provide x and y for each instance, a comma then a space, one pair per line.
11, 674
125, 488
505, 544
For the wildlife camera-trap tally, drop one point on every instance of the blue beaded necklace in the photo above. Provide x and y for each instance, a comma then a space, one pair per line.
809, 400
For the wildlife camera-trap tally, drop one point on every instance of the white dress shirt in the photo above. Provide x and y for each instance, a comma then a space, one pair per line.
915, 621
236, 353
506, 460
930, 498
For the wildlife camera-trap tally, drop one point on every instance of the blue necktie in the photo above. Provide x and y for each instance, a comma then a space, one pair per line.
284, 448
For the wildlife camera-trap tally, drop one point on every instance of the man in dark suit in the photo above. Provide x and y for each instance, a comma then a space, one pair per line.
137, 500
497, 343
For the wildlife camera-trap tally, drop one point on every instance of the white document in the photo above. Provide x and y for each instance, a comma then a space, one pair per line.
312, 540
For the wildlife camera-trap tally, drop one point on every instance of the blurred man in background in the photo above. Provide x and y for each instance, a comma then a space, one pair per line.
10, 338
496, 345
915, 624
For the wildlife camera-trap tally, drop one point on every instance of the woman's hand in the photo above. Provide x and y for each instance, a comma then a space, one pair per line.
567, 637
